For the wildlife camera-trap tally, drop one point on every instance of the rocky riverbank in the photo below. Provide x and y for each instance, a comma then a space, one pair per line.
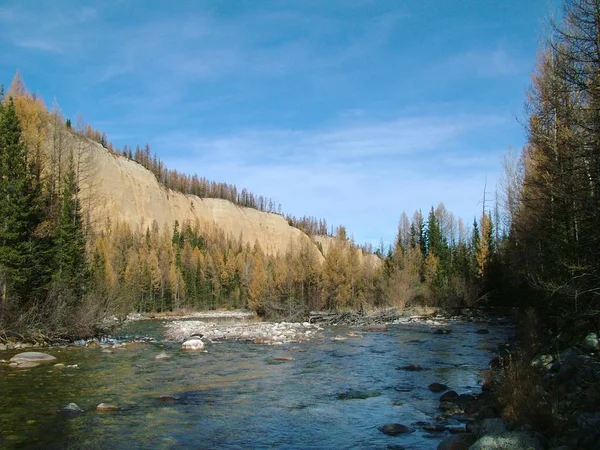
567, 388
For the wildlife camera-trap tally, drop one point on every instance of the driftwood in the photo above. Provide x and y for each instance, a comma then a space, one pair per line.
352, 318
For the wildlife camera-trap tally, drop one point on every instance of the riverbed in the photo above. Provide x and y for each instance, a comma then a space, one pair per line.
333, 390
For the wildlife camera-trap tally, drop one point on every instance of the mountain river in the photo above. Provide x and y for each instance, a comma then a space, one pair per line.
332, 391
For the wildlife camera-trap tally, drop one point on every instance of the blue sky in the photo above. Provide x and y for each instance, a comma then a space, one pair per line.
349, 110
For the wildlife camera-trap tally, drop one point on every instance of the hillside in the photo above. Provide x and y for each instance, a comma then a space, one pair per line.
125, 191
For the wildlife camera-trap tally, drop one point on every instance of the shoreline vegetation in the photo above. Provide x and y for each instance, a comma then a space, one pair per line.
536, 247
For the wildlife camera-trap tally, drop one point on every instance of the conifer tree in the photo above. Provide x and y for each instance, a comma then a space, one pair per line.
71, 261
18, 214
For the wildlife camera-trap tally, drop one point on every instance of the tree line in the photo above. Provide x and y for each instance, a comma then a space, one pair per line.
550, 258
43, 264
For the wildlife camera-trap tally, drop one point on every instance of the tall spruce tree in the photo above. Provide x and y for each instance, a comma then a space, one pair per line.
71, 262
19, 213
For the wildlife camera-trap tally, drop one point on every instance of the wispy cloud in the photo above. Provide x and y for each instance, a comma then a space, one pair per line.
363, 169
45, 27
484, 63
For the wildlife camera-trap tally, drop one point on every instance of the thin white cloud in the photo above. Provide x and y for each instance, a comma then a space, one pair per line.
346, 142
484, 63
46, 27
352, 173
45, 46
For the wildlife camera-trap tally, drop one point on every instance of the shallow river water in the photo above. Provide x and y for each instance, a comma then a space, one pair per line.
334, 393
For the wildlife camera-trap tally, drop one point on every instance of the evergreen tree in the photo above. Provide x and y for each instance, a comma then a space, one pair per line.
71, 263
18, 209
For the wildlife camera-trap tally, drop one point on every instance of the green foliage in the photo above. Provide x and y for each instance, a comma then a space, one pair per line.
19, 215
71, 265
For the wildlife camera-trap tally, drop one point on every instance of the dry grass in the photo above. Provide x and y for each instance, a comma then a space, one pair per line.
518, 386
522, 400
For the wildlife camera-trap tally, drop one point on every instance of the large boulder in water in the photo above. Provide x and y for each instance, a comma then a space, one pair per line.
31, 359
193, 344
509, 440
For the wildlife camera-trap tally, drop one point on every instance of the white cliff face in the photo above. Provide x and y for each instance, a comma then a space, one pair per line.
124, 190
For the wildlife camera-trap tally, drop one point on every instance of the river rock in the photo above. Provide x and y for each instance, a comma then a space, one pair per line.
437, 387
490, 427
449, 396
166, 398
193, 344
442, 331
106, 407
509, 440
59, 366
411, 368
72, 408
376, 327
162, 355
460, 441
32, 357
590, 343
283, 358
26, 364
433, 427
3, 347
394, 429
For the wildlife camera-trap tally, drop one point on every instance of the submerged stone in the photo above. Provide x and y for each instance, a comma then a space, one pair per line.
411, 368
357, 395
437, 387
442, 331
394, 429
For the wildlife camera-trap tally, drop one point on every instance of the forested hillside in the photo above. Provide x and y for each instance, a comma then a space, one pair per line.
87, 250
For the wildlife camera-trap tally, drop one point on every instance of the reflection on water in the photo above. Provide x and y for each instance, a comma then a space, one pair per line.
333, 394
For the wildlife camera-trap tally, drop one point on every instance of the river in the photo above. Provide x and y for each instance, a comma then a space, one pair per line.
334, 393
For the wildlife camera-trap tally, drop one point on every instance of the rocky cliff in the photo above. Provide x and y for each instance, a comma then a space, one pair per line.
123, 190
